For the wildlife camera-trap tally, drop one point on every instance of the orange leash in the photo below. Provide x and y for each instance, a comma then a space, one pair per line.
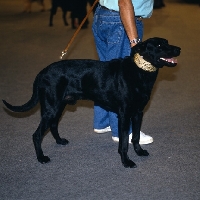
78, 29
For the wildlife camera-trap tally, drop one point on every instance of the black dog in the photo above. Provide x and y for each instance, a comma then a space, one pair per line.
65, 5
122, 85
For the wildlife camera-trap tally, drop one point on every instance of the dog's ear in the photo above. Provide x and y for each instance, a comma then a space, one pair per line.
137, 49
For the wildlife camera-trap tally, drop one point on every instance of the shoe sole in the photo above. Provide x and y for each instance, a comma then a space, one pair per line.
102, 130
143, 142
147, 142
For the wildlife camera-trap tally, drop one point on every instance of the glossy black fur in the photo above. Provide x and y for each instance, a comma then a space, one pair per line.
117, 85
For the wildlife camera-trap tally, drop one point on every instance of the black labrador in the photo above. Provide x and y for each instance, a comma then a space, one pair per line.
121, 85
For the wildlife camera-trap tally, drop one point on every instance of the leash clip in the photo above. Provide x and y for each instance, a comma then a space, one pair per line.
63, 53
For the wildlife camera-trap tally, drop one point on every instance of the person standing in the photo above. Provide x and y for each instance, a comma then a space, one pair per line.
117, 26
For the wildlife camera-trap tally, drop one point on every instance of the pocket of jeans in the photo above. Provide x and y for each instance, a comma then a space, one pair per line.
115, 33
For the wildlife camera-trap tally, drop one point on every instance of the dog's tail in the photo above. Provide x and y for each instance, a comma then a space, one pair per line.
30, 104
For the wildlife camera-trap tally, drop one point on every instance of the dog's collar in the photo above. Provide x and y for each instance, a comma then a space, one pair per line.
143, 64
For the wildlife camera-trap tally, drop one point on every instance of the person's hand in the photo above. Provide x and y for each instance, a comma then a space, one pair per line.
132, 45
133, 49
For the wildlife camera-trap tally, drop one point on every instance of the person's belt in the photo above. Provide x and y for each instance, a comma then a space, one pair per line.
105, 8
139, 17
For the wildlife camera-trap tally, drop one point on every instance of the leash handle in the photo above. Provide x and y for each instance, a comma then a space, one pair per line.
77, 30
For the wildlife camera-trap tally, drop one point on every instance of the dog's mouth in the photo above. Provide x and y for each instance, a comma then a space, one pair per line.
170, 60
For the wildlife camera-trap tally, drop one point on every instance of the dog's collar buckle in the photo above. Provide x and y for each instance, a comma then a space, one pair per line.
143, 64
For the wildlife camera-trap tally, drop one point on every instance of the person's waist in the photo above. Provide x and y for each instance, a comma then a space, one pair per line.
105, 8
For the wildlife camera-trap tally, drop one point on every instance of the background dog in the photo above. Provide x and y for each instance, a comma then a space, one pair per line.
29, 2
121, 85
65, 5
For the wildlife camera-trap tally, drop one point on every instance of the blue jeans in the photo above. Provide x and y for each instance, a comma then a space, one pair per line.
111, 42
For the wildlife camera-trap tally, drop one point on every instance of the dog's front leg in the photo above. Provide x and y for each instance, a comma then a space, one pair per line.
136, 126
123, 128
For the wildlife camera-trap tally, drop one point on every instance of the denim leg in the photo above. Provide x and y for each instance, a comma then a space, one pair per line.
140, 29
101, 117
111, 42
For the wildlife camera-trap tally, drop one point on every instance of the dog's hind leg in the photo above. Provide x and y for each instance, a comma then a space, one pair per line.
48, 115
37, 141
54, 131
136, 126
54, 126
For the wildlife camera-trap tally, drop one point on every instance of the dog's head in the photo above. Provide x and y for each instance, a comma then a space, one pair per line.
158, 52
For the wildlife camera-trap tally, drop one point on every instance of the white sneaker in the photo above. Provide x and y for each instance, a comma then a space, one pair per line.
104, 130
144, 139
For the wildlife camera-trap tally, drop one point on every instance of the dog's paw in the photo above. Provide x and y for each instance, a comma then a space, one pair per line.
129, 164
43, 159
62, 141
142, 152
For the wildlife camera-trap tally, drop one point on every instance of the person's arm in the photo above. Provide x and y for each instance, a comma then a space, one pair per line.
127, 15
